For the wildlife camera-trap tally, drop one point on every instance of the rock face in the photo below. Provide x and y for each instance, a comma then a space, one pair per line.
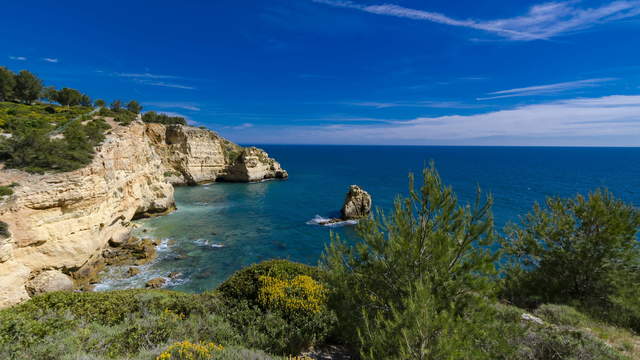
357, 204
254, 164
193, 156
65, 221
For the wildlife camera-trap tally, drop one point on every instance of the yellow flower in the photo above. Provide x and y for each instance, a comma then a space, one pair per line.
301, 294
186, 350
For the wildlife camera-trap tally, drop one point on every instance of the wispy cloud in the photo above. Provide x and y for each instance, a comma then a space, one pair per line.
18, 58
51, 60
155, 80
173, 105
241, 126
546, 89
596, 118
166, 84
146, 76
541, 22
417, 104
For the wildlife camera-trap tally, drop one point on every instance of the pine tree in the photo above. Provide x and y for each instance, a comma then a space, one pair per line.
7, 84
429, 247
582, 251
28, 87
134, 107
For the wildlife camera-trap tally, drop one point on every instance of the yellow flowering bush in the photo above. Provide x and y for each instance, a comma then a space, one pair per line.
186, 350
301, 294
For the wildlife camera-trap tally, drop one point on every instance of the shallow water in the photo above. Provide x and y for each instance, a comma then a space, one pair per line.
220, 228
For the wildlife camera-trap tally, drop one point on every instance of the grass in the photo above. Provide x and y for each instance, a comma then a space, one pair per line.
620, 339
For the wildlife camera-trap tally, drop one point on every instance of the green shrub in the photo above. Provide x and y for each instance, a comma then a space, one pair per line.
4, 230
32, 148
154, 117
6, 190
245, 284
561, 315
122, 116
582, 251
281, 305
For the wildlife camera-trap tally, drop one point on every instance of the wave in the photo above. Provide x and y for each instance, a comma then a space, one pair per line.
205, 242
323, 221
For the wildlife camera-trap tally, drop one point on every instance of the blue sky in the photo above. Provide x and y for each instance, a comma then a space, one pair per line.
351, 72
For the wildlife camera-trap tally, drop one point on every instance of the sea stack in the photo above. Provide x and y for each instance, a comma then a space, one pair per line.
357, 204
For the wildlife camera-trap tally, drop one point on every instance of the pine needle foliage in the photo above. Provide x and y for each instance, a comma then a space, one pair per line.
582, 251
418, 283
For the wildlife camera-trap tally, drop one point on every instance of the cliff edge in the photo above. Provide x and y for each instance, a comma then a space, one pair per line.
59, 224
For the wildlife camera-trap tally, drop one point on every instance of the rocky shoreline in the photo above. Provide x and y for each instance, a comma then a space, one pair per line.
65, 227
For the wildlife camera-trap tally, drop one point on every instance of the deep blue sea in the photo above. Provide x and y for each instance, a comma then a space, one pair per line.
220, 228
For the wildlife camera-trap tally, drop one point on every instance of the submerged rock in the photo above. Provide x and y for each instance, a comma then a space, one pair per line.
357, 204
48, 281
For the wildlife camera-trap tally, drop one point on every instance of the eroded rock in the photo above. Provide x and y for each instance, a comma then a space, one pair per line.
65, 220
357, 204
254, 164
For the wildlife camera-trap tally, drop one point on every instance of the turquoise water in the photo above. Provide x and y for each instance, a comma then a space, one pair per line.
220, 228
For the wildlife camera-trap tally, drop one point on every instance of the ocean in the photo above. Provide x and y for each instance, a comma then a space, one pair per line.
220, 228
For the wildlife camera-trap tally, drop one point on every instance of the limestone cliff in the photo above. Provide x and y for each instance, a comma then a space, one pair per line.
63, 222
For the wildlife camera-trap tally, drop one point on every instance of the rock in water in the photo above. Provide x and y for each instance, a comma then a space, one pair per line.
133, 271
357, 204
48, 281
156, 283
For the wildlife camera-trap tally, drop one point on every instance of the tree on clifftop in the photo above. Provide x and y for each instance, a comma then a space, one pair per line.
116, 105
100, 103
7, 83
28, 87
134, 107
68, 97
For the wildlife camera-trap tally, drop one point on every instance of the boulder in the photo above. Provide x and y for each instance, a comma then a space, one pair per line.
133, 271
357, 204
156, 283
48, 281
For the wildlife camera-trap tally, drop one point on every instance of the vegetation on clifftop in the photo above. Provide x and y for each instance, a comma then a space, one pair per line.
42, 136
422, 283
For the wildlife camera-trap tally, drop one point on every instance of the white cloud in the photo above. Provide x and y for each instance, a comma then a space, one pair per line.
19, 58
602, 118
541, 22
546, 89
174, 105
417, 104
164, 84
155, 80
51, 60
146, 76
241, 126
